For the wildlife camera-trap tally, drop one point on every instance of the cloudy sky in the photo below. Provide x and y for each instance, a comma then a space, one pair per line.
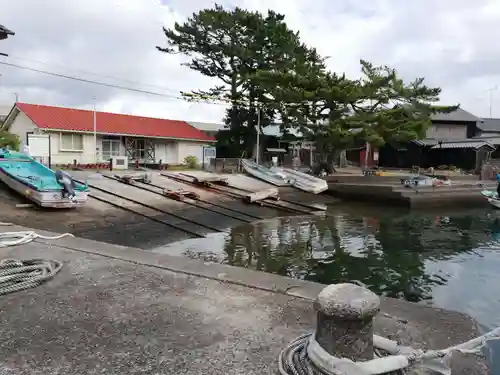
450, 42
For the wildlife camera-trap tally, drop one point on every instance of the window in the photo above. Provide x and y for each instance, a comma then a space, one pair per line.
110, 148
71, 142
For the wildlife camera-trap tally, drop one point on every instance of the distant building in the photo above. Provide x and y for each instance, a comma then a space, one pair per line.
146, 139
453, 139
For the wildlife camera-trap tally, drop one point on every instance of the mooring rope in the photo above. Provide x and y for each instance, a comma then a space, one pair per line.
17, 275
294, 359
304, 356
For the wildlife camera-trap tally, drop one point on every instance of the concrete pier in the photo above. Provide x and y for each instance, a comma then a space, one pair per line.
465, 190
120, 310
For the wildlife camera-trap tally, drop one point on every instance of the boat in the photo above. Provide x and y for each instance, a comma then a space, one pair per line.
424, 180
277, 178
40, 184
306, 182
491, 197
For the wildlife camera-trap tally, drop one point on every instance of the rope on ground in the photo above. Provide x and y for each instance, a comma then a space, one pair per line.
304, 356
17, 275
294, 360
20, 238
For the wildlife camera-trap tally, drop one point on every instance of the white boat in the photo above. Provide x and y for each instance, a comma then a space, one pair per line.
494, 202
306, 182
38, 183
491, 197
276, 178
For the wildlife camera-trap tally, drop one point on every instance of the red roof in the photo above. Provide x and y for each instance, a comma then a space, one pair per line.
69, 119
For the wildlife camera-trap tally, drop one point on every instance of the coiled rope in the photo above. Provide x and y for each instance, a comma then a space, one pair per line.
294, 359
304, 356
17, 275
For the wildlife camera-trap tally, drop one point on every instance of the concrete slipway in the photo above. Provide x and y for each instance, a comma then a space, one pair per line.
121, 310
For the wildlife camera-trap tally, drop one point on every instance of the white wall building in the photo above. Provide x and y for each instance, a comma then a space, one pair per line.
72, 132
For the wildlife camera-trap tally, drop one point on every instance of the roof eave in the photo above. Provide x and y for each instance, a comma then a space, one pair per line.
125, 135
14, 111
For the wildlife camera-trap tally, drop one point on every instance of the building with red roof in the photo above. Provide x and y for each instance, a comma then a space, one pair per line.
90, 137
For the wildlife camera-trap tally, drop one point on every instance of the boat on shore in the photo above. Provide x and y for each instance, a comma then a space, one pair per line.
40, 184
306, 182
491, 197
277, 178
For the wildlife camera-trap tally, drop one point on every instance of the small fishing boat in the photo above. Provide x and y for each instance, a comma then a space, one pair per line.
306, 182
38, 183
491, 197
277, 178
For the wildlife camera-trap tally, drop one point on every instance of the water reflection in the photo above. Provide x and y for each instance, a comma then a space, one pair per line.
417, 257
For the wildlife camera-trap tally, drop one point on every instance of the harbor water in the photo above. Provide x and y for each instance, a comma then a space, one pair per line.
444, 259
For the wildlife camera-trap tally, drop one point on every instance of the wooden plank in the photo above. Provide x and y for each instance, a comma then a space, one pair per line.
129, 179
272, 193
180, 194
207, 179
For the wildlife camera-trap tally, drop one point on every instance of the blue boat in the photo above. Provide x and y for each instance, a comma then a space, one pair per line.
40, 184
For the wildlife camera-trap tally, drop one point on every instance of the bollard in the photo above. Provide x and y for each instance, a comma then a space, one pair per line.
344, 326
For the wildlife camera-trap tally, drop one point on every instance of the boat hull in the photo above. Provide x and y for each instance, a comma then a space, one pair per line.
49, 198
264, 174
306, 182
495, 203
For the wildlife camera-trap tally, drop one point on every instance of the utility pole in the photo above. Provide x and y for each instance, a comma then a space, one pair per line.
258, 135
491, 90
95, 129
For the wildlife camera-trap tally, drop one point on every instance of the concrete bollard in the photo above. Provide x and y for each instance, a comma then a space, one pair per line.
344, 325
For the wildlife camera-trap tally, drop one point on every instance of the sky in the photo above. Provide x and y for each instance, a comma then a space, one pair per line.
449, 42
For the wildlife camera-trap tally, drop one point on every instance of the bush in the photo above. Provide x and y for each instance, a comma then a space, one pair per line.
9, 140
453, 168
191, 162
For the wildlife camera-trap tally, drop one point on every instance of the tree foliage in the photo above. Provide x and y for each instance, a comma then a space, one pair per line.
232, 46
261, 66
336, 112
9, 140
392, 110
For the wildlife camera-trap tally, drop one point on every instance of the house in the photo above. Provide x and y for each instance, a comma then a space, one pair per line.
450, 140
144, 139
210, 128
488, 128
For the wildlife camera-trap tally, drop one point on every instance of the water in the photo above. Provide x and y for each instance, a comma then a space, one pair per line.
449, 260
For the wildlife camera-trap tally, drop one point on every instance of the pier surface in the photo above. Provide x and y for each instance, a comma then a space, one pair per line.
120, 310
463, 189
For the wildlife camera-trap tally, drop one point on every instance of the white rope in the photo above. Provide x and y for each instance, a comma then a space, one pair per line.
17, 275
304, 356
8, 239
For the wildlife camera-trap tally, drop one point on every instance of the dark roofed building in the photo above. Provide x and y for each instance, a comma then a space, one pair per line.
460, 115
456, 138
488, 127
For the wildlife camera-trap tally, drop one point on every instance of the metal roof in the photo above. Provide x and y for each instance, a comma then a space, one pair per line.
458, 115
274, 130
79, 120
489, 124
490, 140
426, 142
207, 126
466, 144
